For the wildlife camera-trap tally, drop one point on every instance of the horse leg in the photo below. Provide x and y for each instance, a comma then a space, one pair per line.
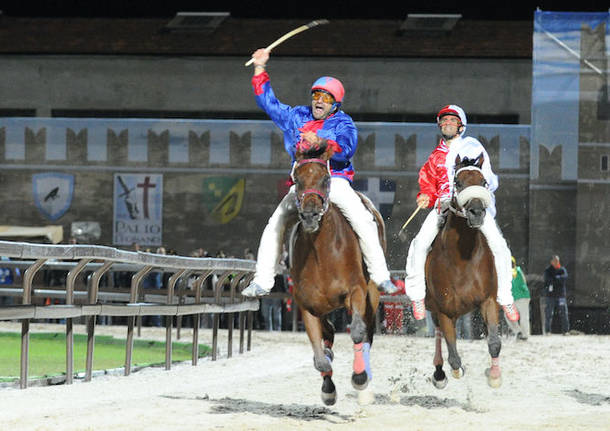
489, 310
313, 327
329, 392
328, 337
448, 327
359, 333
439, 378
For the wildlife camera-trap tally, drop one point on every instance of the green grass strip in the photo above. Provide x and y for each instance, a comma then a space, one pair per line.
48, 354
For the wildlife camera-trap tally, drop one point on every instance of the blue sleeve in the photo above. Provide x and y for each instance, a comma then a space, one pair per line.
347, 138
278, 112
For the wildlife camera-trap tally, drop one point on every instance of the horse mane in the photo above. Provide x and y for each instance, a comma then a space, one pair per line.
318, 152
314, 153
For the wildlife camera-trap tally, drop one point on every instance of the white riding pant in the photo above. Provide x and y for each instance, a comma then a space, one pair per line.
348, 202
415, 283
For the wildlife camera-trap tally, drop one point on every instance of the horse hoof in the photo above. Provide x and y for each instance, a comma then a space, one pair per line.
457, 374
366, 397
329, 354
360, 381
329, 399
495, 380
494, 383
329, 392
440, 384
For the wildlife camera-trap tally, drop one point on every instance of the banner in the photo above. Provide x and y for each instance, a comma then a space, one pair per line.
223, 197
138, 209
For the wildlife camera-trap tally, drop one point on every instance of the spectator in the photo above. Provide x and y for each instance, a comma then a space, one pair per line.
521, 294
7, 277
271, 306
555, 277
249, 255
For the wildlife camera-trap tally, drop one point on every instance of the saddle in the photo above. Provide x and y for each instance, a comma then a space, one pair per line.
294, 225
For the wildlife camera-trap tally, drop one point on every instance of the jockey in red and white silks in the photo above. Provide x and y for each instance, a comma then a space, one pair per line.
306, 127
436, 188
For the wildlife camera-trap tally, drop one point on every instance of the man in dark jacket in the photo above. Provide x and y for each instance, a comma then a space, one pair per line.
555, 277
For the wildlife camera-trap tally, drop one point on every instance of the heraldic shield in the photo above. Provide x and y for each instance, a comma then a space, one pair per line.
53, 192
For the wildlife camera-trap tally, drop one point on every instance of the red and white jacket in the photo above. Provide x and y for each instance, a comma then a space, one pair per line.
436, 175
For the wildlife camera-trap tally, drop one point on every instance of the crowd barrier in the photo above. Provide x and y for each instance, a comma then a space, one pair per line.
213, 288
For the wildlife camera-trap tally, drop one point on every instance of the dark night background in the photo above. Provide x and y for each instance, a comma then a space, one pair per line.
287, 9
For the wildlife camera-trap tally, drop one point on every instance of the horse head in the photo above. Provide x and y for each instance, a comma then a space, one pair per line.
311, 176
471, 196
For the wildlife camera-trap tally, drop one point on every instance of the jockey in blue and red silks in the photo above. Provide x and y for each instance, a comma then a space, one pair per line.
322, 123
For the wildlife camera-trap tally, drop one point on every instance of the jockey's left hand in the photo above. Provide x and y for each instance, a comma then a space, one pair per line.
310, 141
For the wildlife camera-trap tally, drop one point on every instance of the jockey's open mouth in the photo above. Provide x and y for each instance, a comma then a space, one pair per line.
319, 109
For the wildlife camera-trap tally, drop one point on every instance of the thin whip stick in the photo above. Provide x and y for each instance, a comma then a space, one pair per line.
290, 34
401, 234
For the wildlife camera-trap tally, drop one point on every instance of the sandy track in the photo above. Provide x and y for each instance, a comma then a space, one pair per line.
554, 382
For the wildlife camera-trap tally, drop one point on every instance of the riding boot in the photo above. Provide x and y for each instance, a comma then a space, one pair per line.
511, 312
419, 309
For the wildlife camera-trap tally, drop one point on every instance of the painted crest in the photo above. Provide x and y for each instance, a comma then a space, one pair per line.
223, 197
53, 192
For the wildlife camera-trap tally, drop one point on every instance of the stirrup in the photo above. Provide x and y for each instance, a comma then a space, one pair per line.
254, 290
511, 312
419, 309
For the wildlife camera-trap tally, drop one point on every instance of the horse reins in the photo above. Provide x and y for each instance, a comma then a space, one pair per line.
322, 195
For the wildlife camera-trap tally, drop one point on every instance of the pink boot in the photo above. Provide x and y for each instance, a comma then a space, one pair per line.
419, 309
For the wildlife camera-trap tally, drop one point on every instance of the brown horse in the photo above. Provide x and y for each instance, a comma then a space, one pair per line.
460, 272
329, 273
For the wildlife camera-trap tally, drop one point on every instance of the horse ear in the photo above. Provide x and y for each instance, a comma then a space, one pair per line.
457, 160
480, 160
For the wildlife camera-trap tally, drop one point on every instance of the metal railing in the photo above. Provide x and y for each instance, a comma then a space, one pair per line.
97, 261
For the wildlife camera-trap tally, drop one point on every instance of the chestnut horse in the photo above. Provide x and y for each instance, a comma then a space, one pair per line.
460, 272
328, 272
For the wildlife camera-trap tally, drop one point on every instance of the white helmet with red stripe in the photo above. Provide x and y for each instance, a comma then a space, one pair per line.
456, 111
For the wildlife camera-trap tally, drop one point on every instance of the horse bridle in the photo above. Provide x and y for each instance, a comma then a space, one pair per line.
323, 195
461, 198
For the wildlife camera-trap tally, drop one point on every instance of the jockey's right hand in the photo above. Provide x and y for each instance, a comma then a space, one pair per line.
260, 56
423, 200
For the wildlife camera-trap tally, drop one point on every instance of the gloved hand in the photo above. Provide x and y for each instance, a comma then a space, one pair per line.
310, 142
